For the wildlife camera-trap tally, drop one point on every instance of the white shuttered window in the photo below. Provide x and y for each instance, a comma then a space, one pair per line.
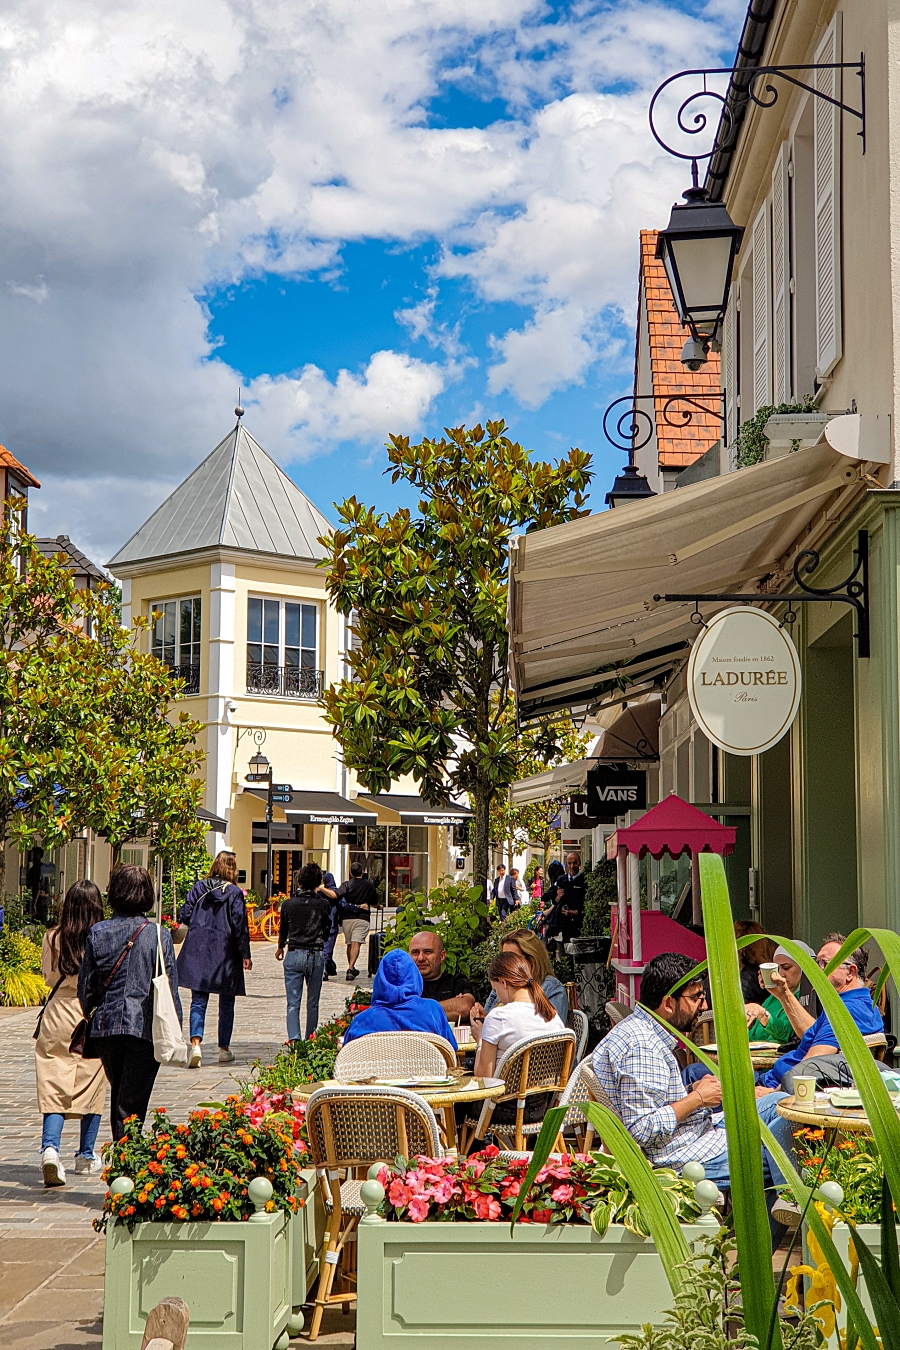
781, 280
729, 365
762, 379
827, 185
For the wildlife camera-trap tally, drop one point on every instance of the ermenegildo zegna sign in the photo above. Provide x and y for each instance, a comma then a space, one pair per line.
744, 680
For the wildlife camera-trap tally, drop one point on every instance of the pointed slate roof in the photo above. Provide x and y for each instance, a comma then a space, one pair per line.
237, 498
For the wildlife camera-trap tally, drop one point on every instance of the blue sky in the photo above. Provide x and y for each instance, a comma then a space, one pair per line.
376, 219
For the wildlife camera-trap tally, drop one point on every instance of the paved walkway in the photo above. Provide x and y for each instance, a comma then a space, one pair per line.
51, 1261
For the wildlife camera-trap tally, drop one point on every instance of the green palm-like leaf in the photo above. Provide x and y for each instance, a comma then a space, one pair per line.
751, 1221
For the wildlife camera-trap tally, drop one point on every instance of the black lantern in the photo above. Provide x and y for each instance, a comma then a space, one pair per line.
630, 486
698, 248
260, 769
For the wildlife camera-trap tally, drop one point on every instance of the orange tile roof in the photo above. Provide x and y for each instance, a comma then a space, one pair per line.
8, 461
695, 430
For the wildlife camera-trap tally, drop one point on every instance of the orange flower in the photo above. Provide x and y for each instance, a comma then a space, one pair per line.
160, 1202
180, 1152
205, 1182
155, 1168
218, 1204
179, 1211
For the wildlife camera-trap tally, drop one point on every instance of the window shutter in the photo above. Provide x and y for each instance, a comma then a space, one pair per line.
729, 365
827, 184
781, 280
762, 381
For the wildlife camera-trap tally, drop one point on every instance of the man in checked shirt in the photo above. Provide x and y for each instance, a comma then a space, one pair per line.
640, 1074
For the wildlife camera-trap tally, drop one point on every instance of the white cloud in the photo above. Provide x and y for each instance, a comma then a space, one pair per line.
153, 150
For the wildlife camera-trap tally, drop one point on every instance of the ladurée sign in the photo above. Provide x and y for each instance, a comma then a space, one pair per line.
744, 680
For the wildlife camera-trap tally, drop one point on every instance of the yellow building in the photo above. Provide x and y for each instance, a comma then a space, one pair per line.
228, 562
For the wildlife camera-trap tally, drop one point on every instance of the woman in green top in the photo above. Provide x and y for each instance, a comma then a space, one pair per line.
768, 1021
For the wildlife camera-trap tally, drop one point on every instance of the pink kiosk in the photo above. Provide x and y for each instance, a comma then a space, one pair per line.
673, 827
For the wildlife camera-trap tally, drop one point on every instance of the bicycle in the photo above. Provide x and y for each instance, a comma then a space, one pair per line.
264, 927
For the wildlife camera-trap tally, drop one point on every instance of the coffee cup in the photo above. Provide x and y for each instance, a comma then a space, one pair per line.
804, 1089
767, 969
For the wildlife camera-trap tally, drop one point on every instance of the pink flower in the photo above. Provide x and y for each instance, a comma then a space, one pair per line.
476, 1166
443, 1191
398, 1194
542, 1215
511, 1190
487, 1208
562, 1194
418, 1209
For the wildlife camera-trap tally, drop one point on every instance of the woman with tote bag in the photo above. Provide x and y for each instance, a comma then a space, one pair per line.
116, 991
68, 1087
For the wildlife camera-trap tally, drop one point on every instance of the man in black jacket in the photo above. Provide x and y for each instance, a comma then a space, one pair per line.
355, 899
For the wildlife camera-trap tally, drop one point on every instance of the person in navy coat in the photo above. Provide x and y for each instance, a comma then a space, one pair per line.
216, 952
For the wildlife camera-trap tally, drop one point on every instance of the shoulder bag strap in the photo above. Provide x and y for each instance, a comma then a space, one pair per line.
125, 950
37, 1025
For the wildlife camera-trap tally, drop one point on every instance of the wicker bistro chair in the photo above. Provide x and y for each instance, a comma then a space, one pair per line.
351, 1128
617, 1012
536, 1064
877, 1043
391, 1054
577, 1021
446, 1049
583, 1086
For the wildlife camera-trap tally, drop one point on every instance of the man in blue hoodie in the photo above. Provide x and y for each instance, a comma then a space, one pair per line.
397, 1002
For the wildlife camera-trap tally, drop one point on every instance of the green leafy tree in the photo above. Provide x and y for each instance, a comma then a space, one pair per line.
86, 739
541, 746
428, 596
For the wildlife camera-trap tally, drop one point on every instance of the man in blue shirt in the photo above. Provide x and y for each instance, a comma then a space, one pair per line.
817, 1040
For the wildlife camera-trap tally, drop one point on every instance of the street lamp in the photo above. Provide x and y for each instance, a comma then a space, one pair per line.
698, 248
261, 772
630, 486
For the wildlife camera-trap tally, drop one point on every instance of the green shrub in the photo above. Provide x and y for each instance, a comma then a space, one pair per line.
310, 1061
600, 895
454, 909
21, 982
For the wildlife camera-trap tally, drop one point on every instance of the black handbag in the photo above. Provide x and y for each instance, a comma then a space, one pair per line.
78, 1043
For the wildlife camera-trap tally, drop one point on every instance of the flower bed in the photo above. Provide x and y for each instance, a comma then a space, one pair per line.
201, 1170
853, 1162
586, 1188
310, 1061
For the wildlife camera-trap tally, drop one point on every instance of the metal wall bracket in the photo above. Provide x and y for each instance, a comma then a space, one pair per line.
633, 421
853, 591
731, 117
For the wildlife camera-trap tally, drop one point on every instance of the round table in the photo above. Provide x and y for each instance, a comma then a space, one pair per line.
851, 1121
440, 1099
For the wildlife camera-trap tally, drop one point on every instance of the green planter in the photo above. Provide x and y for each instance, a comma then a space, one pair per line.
871, 1235
444, 1285
309, 1225
236, 1278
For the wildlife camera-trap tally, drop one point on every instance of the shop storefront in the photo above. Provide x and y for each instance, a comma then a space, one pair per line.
816, 846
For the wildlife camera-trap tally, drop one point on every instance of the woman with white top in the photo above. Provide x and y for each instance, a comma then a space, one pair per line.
522, 1010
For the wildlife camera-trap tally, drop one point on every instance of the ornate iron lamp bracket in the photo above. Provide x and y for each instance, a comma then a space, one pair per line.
731, 116
853, 591
631, 422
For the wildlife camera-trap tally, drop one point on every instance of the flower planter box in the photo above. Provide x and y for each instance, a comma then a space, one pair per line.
236, 1279
871, 1235
443, 1285
309, 1225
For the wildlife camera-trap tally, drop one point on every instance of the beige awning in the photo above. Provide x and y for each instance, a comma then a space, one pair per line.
582, 613
540, 787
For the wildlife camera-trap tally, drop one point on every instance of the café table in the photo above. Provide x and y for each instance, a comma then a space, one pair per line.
441, 1099
851, 1120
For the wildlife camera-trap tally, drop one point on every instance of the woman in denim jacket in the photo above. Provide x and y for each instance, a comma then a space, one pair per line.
121, 1032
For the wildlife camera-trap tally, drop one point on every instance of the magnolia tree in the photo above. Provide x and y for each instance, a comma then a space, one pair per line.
541, 746
427, 592
86, 739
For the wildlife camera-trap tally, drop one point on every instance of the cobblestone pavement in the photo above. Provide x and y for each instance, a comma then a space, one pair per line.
51, 1261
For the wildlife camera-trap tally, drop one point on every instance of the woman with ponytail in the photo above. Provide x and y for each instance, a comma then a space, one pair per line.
522, 1009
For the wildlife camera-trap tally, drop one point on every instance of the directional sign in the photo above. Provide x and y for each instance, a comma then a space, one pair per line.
281, 797
282, 787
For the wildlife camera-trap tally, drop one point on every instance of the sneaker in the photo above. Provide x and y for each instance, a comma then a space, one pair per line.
54, 1172
786, 1212
91, 1165
351, 975
226, 1056
195, 1057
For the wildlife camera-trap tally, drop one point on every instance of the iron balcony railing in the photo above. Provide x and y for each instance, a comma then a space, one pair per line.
285, 681
191, 677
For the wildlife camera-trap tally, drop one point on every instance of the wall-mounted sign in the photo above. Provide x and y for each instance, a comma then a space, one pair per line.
613, 789
576, 815
744, 680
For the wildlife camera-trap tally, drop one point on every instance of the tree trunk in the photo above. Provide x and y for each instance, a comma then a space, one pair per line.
2, 866
483, 793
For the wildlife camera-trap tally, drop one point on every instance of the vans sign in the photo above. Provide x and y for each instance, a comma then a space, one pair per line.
613, 789
744, 680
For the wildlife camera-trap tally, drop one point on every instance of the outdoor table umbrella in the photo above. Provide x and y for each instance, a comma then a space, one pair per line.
673, 827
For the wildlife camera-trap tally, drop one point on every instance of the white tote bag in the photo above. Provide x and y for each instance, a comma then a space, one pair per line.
168, 1040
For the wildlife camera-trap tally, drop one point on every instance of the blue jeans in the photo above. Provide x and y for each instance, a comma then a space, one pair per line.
717, 1169
53, 1128
329, 967
199, 1004
303, 964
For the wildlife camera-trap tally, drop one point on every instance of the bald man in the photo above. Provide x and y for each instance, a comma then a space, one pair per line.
452, 992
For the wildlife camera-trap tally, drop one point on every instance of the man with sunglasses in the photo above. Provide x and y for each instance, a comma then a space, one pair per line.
817, 1052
